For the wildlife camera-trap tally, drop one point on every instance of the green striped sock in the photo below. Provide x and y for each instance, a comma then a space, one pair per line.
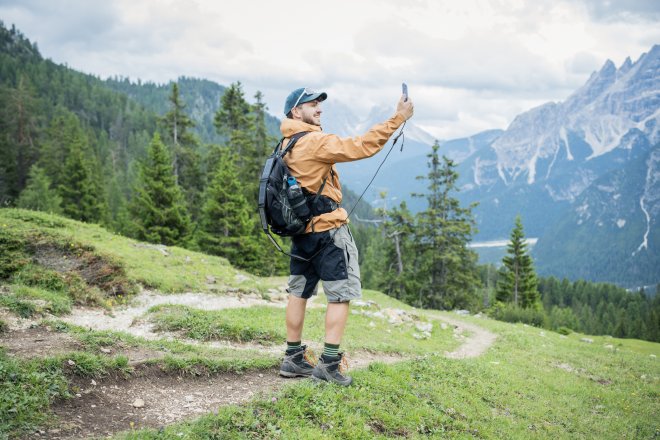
292, 346
330, 350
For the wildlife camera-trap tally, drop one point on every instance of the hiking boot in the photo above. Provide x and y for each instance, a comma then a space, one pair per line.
297, 362
328, 369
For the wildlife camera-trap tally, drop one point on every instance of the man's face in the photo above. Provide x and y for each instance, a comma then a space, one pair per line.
310, 112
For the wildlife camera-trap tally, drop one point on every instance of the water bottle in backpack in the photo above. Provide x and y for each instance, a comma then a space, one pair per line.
297, 199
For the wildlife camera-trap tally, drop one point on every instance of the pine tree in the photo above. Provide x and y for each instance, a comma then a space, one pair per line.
263, 143
235, 119
226, 225
63, 131
446, 268
118, 207
397, 277
234, 113
80, 187
518, 283
38, 194
186, 160
158, 209
19, 132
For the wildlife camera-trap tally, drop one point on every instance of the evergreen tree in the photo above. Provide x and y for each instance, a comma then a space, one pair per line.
19, 132
226, 226
446, 268
235, 119
38, 194
63, 131
398, 277
158, 209
518, 284
118, 206
80, 187
263, 143
244, 127
234, 114
186, 160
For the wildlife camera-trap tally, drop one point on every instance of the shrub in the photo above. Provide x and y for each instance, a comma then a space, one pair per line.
511, 313
563, 317
564, 331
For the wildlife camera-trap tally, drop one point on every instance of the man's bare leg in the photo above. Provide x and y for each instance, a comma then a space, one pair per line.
295, 318
295, 364
328, 367
335, 322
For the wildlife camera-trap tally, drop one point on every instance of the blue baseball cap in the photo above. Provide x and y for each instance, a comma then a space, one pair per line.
301, 96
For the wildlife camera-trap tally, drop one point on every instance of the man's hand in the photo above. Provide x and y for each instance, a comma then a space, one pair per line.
406, 108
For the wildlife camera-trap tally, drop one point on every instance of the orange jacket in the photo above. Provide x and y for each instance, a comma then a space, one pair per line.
316, 153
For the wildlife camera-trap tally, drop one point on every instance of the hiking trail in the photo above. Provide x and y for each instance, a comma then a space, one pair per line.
153, 398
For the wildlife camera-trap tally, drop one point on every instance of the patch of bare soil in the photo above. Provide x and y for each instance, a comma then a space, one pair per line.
37, 342
361, 359
96, 270
151, 398
478, 341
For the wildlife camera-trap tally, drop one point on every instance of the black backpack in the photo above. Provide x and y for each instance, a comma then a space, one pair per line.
275, 208
283, 210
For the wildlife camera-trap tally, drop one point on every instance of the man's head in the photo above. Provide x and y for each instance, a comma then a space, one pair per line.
304, 104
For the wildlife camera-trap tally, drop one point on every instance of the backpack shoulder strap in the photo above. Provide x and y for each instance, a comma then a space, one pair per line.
325, 179
292, 142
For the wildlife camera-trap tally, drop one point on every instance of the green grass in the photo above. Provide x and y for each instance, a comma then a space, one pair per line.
28, 301
27, 387
178, 271
520, 389
26, 390
240, 325
266, 325
178, 357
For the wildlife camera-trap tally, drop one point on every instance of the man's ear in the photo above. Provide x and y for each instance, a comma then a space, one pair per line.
295, 113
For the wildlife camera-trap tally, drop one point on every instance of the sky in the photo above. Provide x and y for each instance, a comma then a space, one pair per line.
470, 65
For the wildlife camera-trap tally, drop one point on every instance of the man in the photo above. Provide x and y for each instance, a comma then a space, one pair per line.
327, 240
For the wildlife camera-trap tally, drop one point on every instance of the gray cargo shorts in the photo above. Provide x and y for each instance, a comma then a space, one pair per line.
336, 265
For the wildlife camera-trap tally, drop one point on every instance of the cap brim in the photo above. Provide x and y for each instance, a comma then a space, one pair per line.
315, 97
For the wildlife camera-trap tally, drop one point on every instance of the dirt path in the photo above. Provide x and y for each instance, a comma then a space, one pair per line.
153, 398
126, 318
478, 341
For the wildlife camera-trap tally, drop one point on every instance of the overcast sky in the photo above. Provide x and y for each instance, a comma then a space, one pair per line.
470, 65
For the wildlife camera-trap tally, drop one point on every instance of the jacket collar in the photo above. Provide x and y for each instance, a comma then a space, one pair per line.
289, 127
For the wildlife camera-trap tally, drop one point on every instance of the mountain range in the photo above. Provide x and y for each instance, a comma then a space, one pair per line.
582, 174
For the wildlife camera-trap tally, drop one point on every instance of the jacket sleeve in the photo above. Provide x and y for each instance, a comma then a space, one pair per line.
334, 149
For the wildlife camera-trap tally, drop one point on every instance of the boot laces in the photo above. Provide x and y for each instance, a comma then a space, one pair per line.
343, 364
310, 356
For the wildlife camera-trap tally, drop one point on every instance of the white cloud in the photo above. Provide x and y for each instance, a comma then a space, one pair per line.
470, 65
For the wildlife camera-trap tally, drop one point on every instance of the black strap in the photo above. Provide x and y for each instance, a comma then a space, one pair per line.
291, 143
325, 179
318, 194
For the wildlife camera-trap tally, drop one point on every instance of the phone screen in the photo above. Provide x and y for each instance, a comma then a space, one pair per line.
404, 90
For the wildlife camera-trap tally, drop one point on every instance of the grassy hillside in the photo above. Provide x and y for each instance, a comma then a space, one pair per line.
53, 272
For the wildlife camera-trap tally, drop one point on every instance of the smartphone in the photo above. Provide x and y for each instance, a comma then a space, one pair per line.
404, 90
